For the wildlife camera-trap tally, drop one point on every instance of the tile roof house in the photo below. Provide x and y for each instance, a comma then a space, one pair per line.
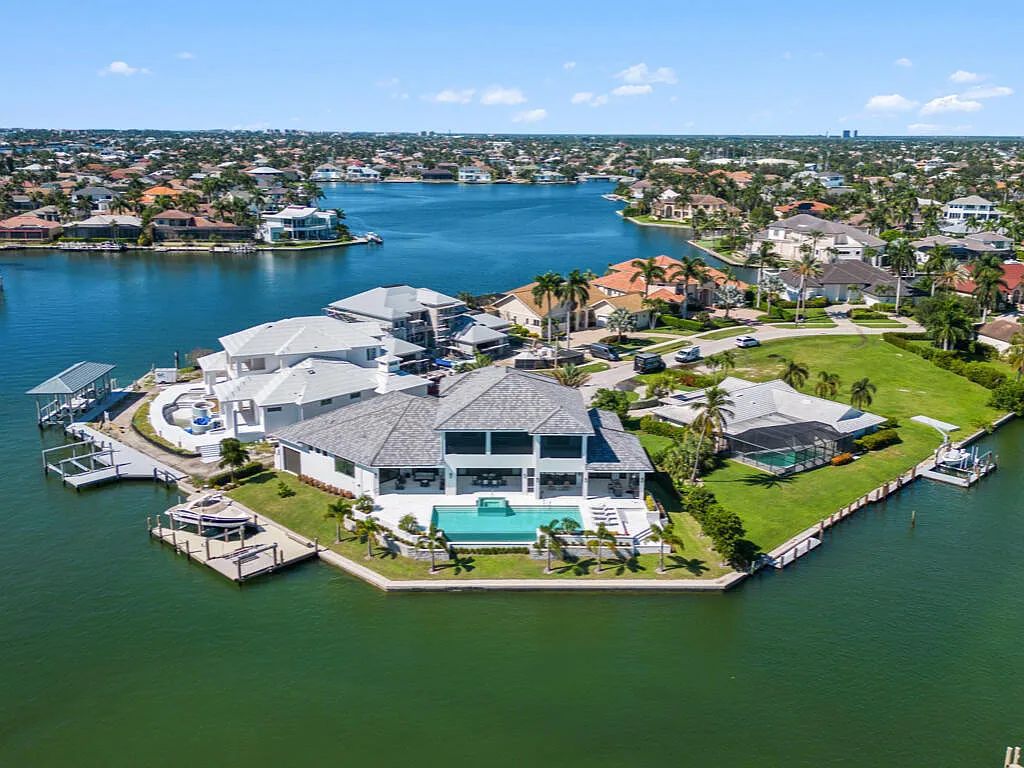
776, 427
670, 205
494, 427
28, 228
1013, 277
180, 225
1000, 332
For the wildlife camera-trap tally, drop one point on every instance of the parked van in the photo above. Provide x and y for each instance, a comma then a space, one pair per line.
688, 355
648, 362
605, 352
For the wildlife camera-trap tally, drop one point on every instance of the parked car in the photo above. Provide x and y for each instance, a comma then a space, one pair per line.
605, 352
648, 362
688, 355
747, 341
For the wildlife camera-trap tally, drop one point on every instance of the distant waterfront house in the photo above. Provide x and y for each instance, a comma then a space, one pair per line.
671, 205
28, 228
473, 175
1013, 277
181, 225
437, 174
967, 247
265, 176
999, 332
150, 195
101, 197
105, 227
774, 426
846, 280
813, 207
46, 213
622, 279
296, 222
417, 315
829, 240
327, 172
549, 177
519, 307
361, 173
491, 430
831, 179
956, 214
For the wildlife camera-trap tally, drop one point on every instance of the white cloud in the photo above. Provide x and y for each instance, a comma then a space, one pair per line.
963, 76
987, 92
600, 101
530, 116
453, 96
951, 103
639, 74
583, 97
961, 130
923, 128
569, 65
889, 102
122, 68
495, 94
185, 55
632, 90
903, 61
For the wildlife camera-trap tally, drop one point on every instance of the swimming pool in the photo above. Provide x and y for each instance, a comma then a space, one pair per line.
515, 524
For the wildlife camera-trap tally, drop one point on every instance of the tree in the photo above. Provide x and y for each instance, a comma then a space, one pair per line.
689, 268
724, 361
901, 261
365, 529
764, 258
339, 510
657, 307
949, 272
988, 280
807, 267
648, 269
729, 297
947, 321
571, 376
613, 400
233, 454
599, 539
713, 412
551, 541
545, 289
1015, 353
793, 373
480, 360
665, 537
862, 393
432, 540
772, 287
364, 504
574, 292
621, 321
828, 384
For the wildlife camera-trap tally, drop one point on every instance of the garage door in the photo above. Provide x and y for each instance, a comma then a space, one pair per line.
292, 460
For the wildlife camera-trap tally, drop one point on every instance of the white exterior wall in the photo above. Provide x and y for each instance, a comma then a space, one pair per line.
321, 467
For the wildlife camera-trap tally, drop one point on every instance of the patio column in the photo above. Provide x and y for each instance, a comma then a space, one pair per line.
643, 476
585, 483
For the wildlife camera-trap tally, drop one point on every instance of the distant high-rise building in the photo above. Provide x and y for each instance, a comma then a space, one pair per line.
855, 134
846, 134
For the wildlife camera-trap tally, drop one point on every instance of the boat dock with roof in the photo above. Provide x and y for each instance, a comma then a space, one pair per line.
78, 393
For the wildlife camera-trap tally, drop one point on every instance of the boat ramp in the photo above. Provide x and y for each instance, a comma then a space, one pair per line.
236, 551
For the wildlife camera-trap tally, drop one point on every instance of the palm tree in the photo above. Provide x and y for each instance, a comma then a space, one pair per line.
433, 540
551, 541
366, 529
1015, 353
862, 393
950, 324
807, 267
948, 274
622, 321
648, 269
690, 268
724, 361
901, 261
480, 360
773, 286
714, 411
233, 454
765, 258
793, 373
988, 280
657, 308
665, 537
574, 292
339, 510
828, 384
598, 540
570, 375
546, 288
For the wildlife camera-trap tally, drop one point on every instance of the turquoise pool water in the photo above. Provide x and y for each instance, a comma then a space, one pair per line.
468, 524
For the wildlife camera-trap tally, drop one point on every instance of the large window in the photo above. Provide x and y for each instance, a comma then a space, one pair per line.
344, 467
561, 447
511, 442
465, 442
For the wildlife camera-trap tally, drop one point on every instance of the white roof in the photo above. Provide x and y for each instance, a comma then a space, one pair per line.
393, 302
313, 335
293, 212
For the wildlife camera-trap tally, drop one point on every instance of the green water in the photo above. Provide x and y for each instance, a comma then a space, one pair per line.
886, 646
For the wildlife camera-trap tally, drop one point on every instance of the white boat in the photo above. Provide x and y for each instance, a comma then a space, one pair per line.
955, 457
373, 237
210, 511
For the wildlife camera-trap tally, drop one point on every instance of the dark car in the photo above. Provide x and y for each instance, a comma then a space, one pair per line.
605, 352
648, 362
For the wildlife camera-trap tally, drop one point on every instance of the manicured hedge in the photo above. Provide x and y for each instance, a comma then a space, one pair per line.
876, 441
722, 526
491, 550
653, 426
977, 371
246, 470
680, 323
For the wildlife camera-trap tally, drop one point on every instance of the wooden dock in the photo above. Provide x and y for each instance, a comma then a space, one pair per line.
261, 548
98, 458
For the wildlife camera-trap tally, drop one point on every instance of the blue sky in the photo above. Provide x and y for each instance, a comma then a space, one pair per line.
536, 67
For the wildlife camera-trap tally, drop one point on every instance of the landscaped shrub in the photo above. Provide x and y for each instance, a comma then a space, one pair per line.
649, 502
492, 550
284, 490
859, 313
653, 426
1009, 396
984, 374
246, 470
680, 323
876, 441
840, 459
614, 400
326, 487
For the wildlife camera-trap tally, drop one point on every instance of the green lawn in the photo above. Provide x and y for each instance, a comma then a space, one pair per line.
879, 323
304, 513
815, 323
725, 333
633, 343
672, 331
773, 509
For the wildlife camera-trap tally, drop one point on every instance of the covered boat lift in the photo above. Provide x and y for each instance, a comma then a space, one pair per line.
74, 391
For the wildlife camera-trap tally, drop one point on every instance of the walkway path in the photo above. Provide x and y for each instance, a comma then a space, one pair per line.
620, 372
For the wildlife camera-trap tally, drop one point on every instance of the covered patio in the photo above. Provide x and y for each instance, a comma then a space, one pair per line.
554, 484
411, 480
616, 485
490, 479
